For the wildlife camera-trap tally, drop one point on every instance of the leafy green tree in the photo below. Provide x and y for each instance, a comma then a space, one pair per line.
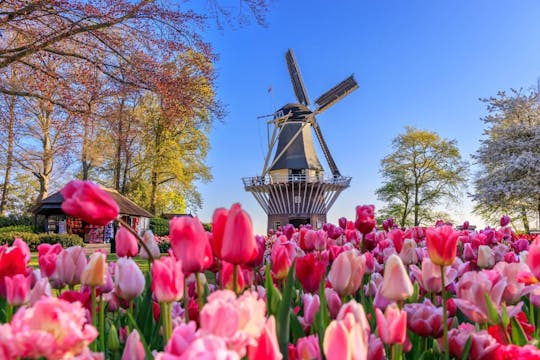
422, 171
509, 157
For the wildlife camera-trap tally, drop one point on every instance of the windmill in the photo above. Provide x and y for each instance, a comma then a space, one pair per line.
292, 187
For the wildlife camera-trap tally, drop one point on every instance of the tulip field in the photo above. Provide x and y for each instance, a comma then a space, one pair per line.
347, 291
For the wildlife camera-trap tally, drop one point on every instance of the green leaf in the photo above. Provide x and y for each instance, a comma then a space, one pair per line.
147, 350
297, 331
504, 318
322, 317
518, 335
493, 315
283, 314
273, 297
467, 349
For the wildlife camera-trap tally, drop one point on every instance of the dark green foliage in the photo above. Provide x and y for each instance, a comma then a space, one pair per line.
17, 228
13, 220
33, 240
159, 226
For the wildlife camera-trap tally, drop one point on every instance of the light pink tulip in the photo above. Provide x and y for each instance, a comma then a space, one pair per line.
396, 284
47, 254
208, 347
70, 264
346, 272
126, 243
52, 328
392, 326
307, 348
429, 277
514, 289
134, 349
7, 343
41, 289
17, 289
152, 245
267, 347
533, 259
486, 259
408, 252
333, 300
183, 335
312, 305
128, 279
345, 340
21, 244
167, 279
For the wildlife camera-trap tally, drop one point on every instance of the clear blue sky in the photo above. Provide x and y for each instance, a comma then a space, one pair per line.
418, 63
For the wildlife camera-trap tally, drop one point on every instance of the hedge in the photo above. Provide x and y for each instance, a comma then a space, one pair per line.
33, 240
15, 220
17, 228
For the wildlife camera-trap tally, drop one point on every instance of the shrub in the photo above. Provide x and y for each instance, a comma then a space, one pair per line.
17, 228
159, 226
33, 240
12, 220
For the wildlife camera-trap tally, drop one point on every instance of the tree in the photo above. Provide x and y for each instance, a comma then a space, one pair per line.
509, 157
421, 172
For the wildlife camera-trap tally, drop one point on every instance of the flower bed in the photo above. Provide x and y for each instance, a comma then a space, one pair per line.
347, 291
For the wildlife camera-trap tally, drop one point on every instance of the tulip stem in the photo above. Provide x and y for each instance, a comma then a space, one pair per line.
235, 278
139, 239
186, 302
101, 323
166, 319
445, 315
130, 312
9, 312
200, 290
397, 352
94, 315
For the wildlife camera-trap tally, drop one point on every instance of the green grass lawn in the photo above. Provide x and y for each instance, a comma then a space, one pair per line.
143, 263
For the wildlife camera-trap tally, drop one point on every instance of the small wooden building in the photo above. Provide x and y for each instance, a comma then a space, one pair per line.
49, 217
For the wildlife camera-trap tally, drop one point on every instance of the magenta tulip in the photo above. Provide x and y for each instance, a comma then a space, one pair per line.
365, 218
310, 271
167, 279
219, 220
239, 246
190, 244
47, 254
86, 200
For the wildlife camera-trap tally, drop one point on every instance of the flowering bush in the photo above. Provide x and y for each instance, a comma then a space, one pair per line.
294, 294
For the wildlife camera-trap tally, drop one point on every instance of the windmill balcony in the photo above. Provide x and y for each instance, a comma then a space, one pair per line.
255, 181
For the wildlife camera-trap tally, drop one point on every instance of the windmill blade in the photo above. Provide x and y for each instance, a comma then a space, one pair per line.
296, 78
336, 93
325, 150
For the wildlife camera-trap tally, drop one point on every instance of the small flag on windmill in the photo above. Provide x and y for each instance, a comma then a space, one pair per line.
270, 89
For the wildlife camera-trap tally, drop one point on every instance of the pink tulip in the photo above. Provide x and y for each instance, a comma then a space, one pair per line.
47, 254
505, 220
307, 348
126, 243
424, 319
282, 257
167, 279
485, 257
239, 246
95, 272
396, 284
86, 200
190, 244
333, 300
312, 305
392, 326
219, 220
429, 278
483, 345
408, 252
152, 245
310, 271
128, 279
21, 244
346, 272
41, 289
442, 244
365, 218
514, 289
183, 335
533, 259
52, 328
267, 347
208, 347
17, 289
357, 311
134, 349
376, 349
226, 277
70, 264
345, 340
7, 343
505, 352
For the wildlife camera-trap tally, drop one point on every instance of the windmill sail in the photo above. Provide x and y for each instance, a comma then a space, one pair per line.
325, 150
336, 93
296, 78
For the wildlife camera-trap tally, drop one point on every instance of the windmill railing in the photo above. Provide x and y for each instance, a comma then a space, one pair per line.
293, 178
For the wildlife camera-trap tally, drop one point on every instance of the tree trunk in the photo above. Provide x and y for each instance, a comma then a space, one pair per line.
153, 191
85, 159
9, 156
525, 220
118, 155
416, 205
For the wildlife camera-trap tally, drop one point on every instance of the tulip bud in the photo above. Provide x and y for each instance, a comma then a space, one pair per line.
126, 243
485, 257
396, 284
95, 272
113, 343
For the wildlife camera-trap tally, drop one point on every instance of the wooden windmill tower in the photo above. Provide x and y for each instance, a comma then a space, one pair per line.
293, 187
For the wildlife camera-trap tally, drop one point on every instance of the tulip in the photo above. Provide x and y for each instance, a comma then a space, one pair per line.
21, 244
483, 345
219, 220
408, 252
134, 349
429, 277
310, 271
227, 277
239, 246
514, 289
533, 259
357, 311
312, 305
167, 279
505, 220
282, 257
12, 262
151, 244
41, 289
307, 348
17, 289
126, 243
182, 336
345, 340
190, 244
397, 237
70, 264
267, 347
47, 254
485, 257
376, 349
333, 300
128, 279
396, 284
261, 248
342, 222
424, 319
95, 272
86, 200
442, 244
347, 272
365, 218
392, 326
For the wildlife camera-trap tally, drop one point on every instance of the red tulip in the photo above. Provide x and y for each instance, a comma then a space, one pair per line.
310, 272
190, 244
86, 200
219, 220
167, 279
126, 243
239, 246
365, 218
442, 244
